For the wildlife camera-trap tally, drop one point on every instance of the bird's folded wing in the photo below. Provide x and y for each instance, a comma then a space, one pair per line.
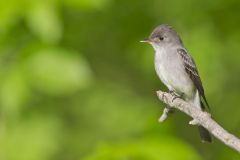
191, 69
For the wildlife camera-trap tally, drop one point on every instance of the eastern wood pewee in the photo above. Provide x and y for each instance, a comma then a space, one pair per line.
177, 69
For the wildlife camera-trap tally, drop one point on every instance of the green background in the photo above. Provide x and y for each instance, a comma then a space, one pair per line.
76, 84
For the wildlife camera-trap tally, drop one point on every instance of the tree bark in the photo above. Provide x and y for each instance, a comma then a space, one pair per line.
199, 118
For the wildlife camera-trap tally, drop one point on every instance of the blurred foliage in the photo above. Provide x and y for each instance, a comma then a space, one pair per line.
146, 149
77, 84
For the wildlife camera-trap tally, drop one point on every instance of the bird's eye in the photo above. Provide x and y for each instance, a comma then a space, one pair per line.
161, 38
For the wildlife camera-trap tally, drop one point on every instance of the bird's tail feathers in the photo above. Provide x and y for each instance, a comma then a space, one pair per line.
204, 134
197, 101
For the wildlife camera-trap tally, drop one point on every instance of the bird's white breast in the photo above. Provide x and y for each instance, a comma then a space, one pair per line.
170, 69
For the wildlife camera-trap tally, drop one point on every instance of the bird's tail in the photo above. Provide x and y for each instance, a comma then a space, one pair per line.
204, 134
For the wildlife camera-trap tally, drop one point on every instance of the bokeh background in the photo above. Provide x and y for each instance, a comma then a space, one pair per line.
76, 84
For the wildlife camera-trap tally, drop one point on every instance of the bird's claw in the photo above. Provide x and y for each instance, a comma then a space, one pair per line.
174, 94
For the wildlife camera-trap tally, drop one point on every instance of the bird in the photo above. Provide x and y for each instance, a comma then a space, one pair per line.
177, 70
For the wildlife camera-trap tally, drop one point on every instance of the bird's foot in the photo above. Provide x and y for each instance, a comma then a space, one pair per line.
175, 95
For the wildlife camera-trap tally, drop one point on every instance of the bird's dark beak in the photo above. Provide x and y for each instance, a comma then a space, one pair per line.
146, 40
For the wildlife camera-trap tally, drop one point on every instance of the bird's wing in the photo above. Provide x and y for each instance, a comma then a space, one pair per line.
191, 69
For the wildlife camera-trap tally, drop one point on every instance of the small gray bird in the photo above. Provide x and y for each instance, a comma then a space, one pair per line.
177, 69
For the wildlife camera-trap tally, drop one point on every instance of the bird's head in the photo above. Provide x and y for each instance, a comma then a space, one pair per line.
163, 35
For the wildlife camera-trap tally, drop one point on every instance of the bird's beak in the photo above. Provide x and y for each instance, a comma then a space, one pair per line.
146, 40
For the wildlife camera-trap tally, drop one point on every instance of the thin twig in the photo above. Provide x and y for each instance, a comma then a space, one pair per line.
201, 118
165, 114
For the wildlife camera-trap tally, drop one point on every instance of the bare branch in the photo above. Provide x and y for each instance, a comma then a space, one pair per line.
201, 118
165, 114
